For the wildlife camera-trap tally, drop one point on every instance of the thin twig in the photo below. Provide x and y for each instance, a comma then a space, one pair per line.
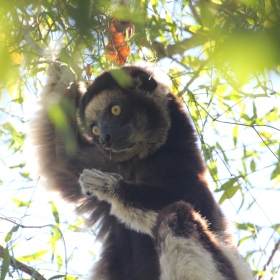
276, 248
53, 61
22, 267
265, 142
194, 77
195, 14
43, 226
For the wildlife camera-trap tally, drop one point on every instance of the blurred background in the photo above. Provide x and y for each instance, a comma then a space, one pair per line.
222, 57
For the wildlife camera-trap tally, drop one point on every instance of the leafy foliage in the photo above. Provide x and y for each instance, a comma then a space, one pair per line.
223, 60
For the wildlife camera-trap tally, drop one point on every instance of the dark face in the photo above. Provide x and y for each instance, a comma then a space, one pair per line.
113, 127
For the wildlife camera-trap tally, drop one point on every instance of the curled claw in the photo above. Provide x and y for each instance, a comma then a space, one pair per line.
88, 193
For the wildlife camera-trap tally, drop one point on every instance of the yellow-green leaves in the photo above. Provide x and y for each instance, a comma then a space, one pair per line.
4, 57
248, 2
235, 134
47, 22
21, 203
273, 115
229, 189
55, 213
6, 256
5, 263
16, 56
17, 137
58, 110
253, 165
249, 227
121, 78
11, 58
56, 234
154, 4
33, 257
246, 52
59, 261
172, 26
10, 233
276, 175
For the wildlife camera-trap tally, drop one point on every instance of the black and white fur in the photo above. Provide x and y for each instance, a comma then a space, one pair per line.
186, 247
146, 189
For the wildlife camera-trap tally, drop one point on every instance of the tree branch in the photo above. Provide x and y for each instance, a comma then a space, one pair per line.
21, 266
276, 248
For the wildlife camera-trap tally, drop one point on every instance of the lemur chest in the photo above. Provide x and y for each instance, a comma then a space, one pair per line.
130, 170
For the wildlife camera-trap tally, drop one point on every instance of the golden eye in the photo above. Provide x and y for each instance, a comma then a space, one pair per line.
116, 110
95, 130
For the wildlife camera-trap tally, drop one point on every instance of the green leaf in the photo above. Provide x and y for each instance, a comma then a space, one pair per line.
25, 175
235, 135
242, 240
76, 226
48, 19
276, 172
17, 136
246, 226
69, 277
21, 203
276, 227
253, 166
185, 3
32, 257
10, 233
213, 169
5, 264
57, 277
11, 80
229, 193
59, 114
18, 166
18, 100
59, 261
255, 111
228, 184
272, 115
250, 21
55, 236
154, 5
121, 78
55, 213
222, 151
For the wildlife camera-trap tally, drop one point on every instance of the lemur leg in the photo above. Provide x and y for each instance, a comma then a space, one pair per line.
186, 247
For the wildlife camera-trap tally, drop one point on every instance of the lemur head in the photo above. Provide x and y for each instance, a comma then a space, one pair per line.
125, 112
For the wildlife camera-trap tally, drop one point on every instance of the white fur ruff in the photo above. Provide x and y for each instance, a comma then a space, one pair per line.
105, 187
135, 218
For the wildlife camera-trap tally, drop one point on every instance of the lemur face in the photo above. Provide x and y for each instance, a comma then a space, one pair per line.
126, 121
114, 127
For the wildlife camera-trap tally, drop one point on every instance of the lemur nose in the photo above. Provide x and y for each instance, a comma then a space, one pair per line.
106, 140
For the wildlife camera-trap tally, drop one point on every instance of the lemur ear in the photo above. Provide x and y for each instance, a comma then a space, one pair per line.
148, 82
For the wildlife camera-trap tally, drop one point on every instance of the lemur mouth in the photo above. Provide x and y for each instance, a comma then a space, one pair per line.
119, 145
115, 149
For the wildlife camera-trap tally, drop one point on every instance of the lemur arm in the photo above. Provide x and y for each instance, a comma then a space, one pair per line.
137, 203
